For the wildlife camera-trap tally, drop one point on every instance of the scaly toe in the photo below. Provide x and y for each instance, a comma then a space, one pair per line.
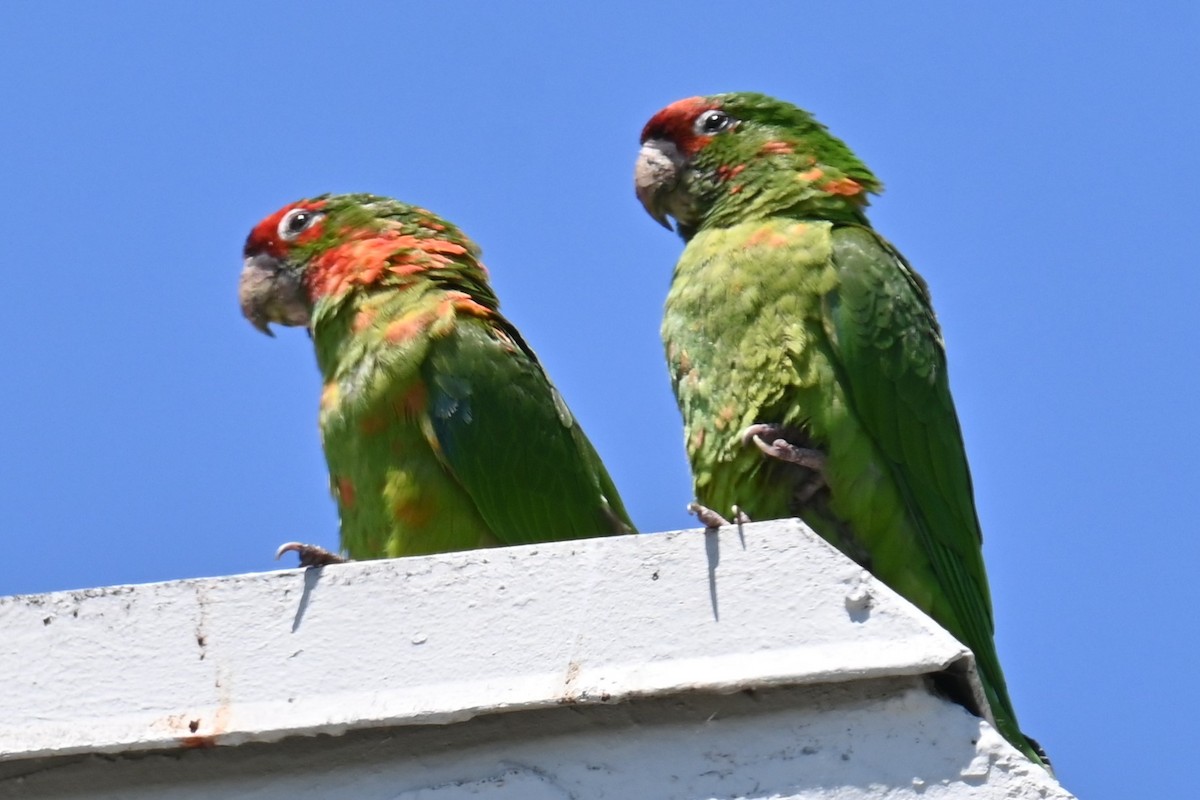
711, 519
760, 430
310, 555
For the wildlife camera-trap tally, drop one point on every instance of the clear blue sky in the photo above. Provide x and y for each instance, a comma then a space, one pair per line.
1041, 168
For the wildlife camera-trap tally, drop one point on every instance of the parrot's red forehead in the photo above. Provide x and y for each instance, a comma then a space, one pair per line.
675, 122
265, 236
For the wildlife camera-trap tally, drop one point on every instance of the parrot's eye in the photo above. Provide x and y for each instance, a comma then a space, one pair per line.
296, 222
712, 121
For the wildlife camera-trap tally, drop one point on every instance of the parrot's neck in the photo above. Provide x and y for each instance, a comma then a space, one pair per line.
367, 340
363, 332
791, 186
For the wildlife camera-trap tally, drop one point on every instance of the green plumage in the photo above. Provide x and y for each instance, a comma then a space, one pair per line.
787, 308
440, 428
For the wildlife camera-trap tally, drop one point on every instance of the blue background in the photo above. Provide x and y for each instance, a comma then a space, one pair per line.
1041, 169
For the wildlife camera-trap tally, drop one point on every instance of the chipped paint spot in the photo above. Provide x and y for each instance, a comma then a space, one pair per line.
568, 691
217, 724
198, 742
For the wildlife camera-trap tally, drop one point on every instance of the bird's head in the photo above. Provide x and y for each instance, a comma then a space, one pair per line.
726, 158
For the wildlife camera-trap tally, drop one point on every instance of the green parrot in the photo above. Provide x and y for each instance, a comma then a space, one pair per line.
807, 361
440, 428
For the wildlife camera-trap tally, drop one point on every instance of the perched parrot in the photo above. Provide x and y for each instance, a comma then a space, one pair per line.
807, 361
440, 428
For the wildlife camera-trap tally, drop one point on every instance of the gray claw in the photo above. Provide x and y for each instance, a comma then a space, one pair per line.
781, 448
310, 554
711, 519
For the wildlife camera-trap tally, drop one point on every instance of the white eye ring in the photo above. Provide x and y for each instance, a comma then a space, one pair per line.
712, 122
296, 222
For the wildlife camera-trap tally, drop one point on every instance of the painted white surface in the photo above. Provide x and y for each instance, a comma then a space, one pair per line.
886, 738
488, 672
442, 638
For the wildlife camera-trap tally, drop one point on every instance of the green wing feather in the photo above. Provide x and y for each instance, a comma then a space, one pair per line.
507, 437
893, 368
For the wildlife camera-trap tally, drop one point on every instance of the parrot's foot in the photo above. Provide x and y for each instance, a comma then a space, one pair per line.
310, 554
781, 448
712, 520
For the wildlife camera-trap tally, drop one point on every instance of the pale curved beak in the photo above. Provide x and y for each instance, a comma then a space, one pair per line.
268, 292
659, 164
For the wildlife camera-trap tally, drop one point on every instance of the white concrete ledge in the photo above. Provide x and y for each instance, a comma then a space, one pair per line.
543, 630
